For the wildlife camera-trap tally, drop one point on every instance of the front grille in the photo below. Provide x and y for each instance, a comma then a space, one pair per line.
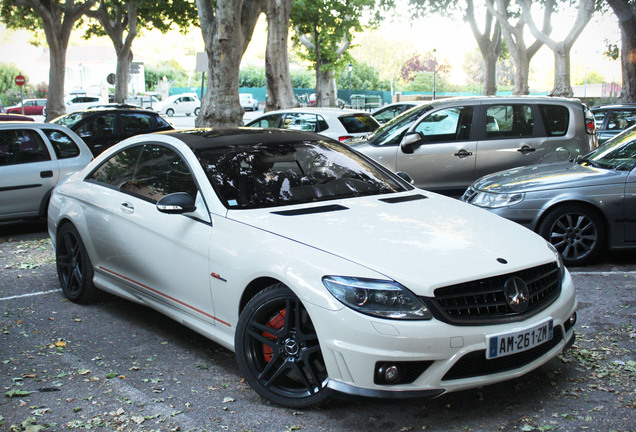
476, 364
484, 302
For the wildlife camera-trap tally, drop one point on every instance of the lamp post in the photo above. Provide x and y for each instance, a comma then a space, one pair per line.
434, 71
350, 69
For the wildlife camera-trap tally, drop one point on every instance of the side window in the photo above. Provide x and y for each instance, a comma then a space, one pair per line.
270, 121
99, 125
135, 123
63, 145
556, 119
118, 170
300, 121
18, 146
161, 172
621, 119
388, 114
450, 124
599, 118
508, 121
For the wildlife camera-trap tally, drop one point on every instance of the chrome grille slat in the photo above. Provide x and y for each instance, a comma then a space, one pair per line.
483, 301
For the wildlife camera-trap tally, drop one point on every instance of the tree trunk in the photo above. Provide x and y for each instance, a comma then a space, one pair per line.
626, 14
513, 35
561, 50
489, 46
562, 85
280, 92
58, 21
227, 28
124, 59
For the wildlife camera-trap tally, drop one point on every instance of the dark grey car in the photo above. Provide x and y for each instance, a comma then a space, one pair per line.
581, 207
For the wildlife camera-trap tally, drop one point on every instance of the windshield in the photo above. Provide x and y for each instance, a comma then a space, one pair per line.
69, 120
266, 175
391, 132
618, 153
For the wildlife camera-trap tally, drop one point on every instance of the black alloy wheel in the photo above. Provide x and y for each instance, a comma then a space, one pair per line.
576, 232
74, 268
277, 350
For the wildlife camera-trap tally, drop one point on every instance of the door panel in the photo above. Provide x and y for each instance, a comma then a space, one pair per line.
630, 208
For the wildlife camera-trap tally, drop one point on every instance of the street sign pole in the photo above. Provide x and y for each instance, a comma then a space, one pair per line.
20, 80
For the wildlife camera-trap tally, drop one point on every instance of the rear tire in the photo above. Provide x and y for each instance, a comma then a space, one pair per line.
278, 351
197, 111
576, 231
74, 268
169, 112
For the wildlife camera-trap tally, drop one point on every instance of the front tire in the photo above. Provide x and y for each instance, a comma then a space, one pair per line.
576, 231
197, 111
74, 268
170, 112
278, 352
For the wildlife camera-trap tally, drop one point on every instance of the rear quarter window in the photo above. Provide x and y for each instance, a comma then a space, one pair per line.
359, 123
556, 119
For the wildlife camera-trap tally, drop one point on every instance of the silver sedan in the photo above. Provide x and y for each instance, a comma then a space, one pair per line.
581, 207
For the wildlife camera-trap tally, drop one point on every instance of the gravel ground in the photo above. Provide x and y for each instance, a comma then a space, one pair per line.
115, 365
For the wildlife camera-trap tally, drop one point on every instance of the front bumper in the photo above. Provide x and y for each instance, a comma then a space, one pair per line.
441, 357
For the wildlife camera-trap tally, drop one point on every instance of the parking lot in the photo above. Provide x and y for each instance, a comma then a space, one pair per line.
115, 365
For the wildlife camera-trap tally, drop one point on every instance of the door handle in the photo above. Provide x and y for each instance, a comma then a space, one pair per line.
463, 154
127, 207
46, 174
525, 149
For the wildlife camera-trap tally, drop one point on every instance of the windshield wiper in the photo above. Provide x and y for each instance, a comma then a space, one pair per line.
581, 160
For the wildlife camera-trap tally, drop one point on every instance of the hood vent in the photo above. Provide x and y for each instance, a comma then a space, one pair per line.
403, 199
311, 210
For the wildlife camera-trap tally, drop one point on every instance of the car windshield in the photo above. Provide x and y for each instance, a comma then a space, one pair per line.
69, 120
267, 175
391, 132
618, 153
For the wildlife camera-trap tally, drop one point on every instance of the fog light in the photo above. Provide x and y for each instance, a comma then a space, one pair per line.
388, 373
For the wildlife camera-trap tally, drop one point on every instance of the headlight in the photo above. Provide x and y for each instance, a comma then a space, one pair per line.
559, 260
384, 299
496, 200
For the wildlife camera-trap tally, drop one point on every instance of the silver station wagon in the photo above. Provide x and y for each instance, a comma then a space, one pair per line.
445, 145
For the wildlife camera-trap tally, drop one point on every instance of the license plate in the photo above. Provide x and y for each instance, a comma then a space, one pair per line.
504, 344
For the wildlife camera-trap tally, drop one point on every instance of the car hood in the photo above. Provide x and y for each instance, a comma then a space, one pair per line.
423, 244
545, 177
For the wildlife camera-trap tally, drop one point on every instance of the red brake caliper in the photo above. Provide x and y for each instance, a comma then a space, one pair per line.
276, 323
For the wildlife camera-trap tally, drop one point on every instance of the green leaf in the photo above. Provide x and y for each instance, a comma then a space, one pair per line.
17, 393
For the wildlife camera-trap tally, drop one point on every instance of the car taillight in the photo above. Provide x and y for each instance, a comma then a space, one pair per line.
590, 126
344, 137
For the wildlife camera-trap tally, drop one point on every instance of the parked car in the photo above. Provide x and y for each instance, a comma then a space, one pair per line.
31, 107
105, 126
324, 271
15, 117
388, 112
582, 207
184, 103
81, 102
248, 102
34, 157
446, 145
613, 119
340, 124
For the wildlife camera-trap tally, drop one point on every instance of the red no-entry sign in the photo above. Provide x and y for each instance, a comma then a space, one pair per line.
20, 80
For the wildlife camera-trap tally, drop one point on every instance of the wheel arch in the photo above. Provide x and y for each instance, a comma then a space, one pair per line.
575, 202
253, 288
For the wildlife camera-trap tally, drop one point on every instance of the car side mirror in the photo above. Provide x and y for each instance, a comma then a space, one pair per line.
404, 176
410, 141
176, 203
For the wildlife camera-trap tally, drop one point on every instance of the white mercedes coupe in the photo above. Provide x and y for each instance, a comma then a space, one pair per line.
324, 272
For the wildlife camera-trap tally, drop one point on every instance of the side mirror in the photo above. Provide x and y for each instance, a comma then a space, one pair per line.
410, 141
404, 176
176, 203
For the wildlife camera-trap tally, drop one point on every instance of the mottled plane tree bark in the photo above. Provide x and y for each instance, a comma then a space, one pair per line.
280, 92
227, 27
513, 28
625, 11
561, 49
57, 19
